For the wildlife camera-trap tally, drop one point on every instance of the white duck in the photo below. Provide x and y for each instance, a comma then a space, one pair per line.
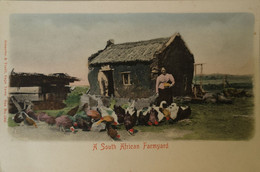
160, 114
173, 108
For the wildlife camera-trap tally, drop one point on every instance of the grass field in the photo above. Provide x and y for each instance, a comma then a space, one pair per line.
214, 82
218, 78
222, 121
216, 121
208, 121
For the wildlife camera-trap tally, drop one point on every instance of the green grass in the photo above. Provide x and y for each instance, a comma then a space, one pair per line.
74, 97
159, 128
215, 121
208, 121
218, 78
56, 113
221, 121
11, 122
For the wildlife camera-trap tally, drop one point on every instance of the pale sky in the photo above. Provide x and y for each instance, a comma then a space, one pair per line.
54, 43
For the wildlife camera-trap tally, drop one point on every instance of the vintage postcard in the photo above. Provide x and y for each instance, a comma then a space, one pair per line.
129, 86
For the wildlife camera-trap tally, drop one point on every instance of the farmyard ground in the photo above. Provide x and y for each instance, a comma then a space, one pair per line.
208, 122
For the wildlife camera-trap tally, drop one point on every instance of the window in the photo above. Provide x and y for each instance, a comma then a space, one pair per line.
126, 78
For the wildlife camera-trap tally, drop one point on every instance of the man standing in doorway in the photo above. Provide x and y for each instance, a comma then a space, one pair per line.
103, 83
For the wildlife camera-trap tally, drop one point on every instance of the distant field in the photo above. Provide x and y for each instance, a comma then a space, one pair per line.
215, 81
216, 77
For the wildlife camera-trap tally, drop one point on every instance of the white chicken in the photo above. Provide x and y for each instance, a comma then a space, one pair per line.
160, 114
105, 111
131, 108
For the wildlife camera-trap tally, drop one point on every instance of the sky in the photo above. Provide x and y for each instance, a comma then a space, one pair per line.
62, 43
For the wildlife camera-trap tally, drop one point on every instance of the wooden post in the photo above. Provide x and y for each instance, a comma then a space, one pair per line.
201, 72
195, 72
198, 88
224, 83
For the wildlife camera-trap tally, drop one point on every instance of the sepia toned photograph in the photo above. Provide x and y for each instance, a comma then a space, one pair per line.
131, 77
129, 86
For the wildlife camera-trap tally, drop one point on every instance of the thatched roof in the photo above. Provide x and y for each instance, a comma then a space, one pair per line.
129, 52
38, 79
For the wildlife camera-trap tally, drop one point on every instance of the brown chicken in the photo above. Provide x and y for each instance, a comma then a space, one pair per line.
28, 119
120, 112
50, 120
153, 118
73, 111
109, 119
94, 114
63, 122
130, 121
112, 132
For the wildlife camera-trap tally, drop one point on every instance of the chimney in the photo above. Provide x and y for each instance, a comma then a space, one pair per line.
110, 42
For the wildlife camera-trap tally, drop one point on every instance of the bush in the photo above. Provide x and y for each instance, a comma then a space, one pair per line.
74, 97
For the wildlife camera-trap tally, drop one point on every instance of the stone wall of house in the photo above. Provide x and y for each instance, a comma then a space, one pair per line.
140, 80
93, 80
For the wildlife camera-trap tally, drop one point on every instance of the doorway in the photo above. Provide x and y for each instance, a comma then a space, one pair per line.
109, 75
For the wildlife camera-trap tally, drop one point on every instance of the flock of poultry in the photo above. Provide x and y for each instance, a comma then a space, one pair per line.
102, 118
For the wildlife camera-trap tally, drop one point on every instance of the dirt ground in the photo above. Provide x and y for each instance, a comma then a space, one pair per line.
48, 133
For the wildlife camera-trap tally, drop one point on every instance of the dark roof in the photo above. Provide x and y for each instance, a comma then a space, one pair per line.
132, 51
38, 79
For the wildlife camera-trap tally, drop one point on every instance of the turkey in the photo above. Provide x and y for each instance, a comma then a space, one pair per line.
64, 122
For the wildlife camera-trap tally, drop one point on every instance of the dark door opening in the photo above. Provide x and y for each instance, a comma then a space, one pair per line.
109, 75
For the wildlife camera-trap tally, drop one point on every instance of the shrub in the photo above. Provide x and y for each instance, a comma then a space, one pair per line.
74, 97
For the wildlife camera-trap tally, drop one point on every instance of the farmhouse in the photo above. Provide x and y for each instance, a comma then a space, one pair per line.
130, 69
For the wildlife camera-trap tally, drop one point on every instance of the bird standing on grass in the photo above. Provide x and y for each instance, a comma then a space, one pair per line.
50, 120
18, 118
111, 131
129, 122
184, 112
120, 112
153, 118
160, 115
73, 111
166, 112
63, 122
173, 108
28, 119
107, 119
143, 116
31, 114
94, 115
